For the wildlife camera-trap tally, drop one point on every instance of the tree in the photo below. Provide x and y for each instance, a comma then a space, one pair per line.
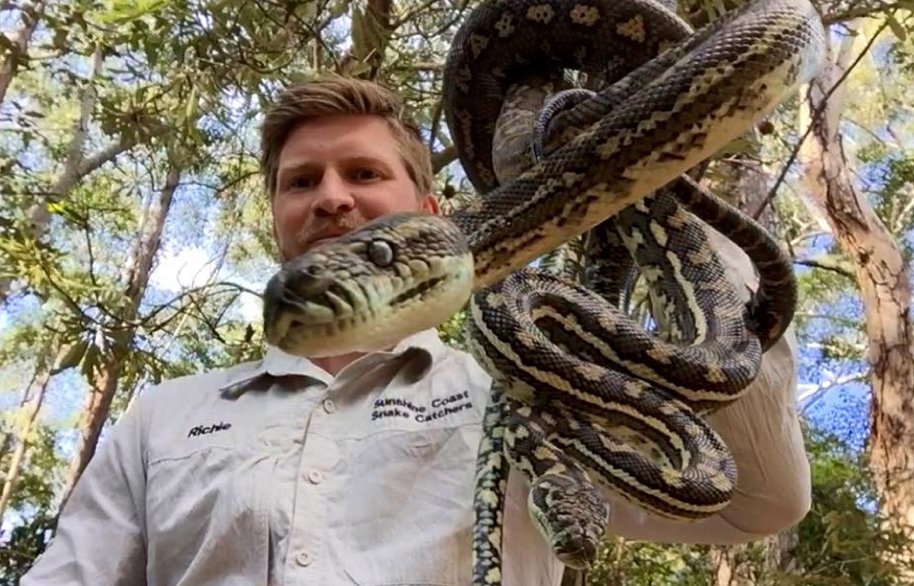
885, 285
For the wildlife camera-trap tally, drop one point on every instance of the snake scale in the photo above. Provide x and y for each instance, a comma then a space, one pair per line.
581, 393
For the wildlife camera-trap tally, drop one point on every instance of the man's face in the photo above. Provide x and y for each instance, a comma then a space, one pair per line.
336, 174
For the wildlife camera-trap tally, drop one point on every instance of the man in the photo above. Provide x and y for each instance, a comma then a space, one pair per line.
356, 469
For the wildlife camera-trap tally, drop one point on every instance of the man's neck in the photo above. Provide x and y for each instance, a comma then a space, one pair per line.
334, 364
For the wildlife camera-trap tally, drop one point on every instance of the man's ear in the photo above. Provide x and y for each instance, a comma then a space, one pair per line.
430, 204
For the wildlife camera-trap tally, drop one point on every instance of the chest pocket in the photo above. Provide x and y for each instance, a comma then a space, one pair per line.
407, 517
209, 481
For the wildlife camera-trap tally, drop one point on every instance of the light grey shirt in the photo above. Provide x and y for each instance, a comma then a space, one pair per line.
275, 472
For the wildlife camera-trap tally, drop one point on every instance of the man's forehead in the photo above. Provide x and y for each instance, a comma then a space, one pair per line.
348, 137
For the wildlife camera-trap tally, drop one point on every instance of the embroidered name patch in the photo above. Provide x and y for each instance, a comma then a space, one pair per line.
207, 429
436, 409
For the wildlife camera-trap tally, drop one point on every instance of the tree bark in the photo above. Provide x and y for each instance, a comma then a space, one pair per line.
38, 213
76, 166
885, 288
105, 374
31, 12
32, 406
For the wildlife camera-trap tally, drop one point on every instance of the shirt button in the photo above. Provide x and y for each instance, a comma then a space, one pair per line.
303, 558
315, 477
329, 406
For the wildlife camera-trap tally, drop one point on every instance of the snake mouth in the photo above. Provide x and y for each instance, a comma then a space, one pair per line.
367, 315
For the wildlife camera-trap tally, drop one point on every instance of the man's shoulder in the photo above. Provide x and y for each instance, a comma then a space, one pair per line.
206, 382
167, 410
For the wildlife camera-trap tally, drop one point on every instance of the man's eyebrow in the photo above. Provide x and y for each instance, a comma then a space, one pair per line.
292, 168
295, 167
366, 158
302, 164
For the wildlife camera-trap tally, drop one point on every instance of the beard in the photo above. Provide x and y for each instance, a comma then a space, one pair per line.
319, 228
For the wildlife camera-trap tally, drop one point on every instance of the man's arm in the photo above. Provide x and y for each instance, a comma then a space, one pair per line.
101, 533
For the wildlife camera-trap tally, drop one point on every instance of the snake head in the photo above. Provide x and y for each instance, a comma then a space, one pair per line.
369, 289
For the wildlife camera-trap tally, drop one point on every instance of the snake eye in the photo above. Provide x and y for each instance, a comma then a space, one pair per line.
381, 253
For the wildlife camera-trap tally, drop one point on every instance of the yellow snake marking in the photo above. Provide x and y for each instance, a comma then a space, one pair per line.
489, 497
693, 429
679, 218
701, 324
591, 372
541, 13
505, 25
659, 233
633, 389
527, 339
668, 409
585, 15
702, 256
715, 374
633, 29
661, 354
672, 477
639, 369
478, 44
721, 482
624, 475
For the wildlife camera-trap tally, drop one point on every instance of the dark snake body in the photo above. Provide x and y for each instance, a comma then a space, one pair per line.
547, 434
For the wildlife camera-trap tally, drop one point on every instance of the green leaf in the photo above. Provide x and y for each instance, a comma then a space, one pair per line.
72, 358
191, 107
339, 8
123, 11
90, 361
369, 37
897, 28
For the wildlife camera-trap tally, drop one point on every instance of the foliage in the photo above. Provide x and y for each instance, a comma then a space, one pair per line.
34, 501
109, 99
844, 538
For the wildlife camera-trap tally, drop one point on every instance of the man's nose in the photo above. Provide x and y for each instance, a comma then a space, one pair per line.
333, 196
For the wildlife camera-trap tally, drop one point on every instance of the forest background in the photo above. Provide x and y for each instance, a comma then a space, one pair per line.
135, 240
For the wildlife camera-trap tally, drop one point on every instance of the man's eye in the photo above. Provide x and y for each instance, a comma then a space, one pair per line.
301, 183
366, 174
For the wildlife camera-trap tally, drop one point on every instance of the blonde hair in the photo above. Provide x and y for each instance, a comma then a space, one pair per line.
331, 95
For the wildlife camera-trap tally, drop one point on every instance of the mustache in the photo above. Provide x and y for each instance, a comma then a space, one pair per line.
320, 227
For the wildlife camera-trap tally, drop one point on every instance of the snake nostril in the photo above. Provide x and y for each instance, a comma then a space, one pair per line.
308, 281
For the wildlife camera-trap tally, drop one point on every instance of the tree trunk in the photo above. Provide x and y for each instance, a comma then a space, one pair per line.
104, 375
38, 213
8, 435
76, 166
885, 288
31, 12
32, 406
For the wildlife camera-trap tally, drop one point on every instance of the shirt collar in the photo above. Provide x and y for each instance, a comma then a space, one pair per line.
276, 363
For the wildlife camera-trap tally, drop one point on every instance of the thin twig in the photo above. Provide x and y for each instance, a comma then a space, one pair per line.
813, 119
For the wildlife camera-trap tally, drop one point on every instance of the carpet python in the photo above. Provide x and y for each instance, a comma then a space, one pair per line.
581, 393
